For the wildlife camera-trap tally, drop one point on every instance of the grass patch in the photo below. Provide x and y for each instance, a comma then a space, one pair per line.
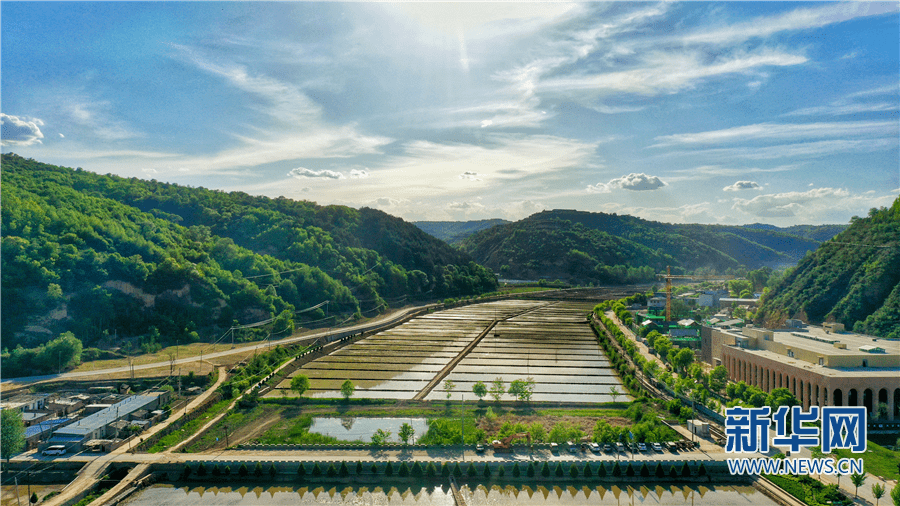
90, 497
809, 490
188, 429
234, 421
878, 460
295, 431
596, 413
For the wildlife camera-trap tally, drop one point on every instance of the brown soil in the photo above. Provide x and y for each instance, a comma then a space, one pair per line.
9, 493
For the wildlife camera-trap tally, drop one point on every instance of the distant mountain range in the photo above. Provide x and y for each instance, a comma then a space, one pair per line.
614, 248
853, 279
453, 232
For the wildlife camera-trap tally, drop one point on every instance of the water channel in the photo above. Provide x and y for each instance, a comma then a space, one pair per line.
492, 494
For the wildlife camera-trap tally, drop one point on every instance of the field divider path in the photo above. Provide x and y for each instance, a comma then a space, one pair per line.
465, 351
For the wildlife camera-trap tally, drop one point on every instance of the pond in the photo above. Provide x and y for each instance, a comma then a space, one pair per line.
361, 429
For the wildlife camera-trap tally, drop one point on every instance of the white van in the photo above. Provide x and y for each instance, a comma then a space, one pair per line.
54, 450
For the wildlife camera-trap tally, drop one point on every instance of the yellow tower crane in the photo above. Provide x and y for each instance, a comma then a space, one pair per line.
669, 277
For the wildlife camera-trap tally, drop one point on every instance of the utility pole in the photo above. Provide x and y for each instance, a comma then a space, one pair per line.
462, 428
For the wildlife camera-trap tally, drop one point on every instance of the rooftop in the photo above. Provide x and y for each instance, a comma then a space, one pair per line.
106, 416
835, 372
41, 427
816, 339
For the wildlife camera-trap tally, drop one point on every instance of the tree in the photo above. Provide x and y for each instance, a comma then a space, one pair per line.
380, 437
448, 387
895, 495
522, 389
498, 388
300, 384
662, 346
778, 397
479, 389
347, 389
12, 438
406, 433
682, 359
858, 479
34, 498
718, 378
878, 492
614, 393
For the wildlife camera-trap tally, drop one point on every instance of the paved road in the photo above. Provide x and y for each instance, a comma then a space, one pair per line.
384, 319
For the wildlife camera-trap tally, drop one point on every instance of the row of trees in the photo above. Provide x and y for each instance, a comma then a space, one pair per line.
447, 469
521, 389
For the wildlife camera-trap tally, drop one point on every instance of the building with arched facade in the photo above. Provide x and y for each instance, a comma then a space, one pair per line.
820, 368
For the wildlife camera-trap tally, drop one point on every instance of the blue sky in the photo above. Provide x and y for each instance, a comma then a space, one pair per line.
733, 113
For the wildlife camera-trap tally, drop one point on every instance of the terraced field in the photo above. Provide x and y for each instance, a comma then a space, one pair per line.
551, 344
548, 341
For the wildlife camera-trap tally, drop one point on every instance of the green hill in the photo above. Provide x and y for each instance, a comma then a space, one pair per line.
453, 232
614, 248
852, 278
104, 257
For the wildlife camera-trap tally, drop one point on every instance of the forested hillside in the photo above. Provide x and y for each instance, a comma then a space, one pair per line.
853, 279
453, 232
610, 248
150, 262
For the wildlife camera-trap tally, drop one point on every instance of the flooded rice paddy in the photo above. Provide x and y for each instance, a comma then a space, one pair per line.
361, 429
474, 495
550, 342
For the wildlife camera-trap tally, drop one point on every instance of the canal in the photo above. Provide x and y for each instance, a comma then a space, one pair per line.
494, 494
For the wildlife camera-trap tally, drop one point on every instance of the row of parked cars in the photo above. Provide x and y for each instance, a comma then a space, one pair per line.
619, 447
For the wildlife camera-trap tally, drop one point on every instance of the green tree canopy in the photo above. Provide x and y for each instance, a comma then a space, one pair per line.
12, 433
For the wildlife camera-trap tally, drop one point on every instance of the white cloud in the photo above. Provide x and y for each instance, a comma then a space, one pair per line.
782, 131
668, 72
149, 171
20, 131
286, 102
845, 109
486, 123
96, 116
700, 212
471, 176
802, 150
605, 109
799, 19
804, 205
301, 173
633, 182
61, 136
359, 174
743, 185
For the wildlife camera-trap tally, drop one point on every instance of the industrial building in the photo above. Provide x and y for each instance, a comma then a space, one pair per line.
102, 424
822, 367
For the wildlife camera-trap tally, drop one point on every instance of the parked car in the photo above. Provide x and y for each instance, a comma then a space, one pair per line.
642, 447
554, 447
54, 450
608, 448
573, 448
595, 448
620, 447
657, 447
479, 448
